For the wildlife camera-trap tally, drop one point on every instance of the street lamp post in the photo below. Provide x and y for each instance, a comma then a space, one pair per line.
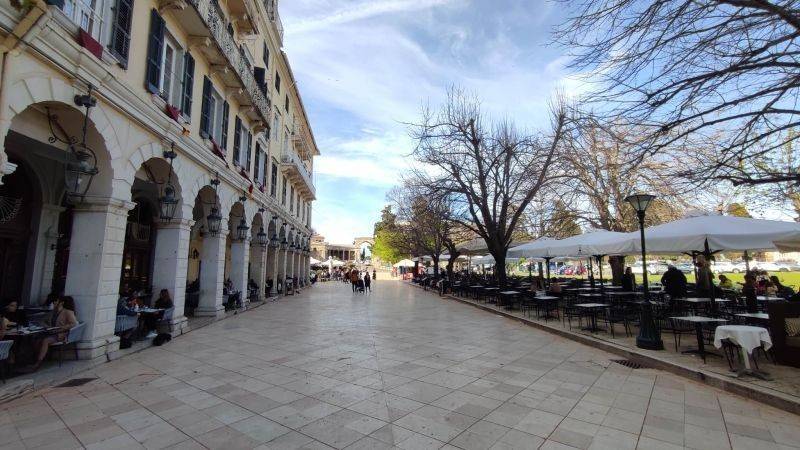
649, 335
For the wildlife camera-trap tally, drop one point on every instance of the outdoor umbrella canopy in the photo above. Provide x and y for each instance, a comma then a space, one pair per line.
709, 234
314, 261
595, 243
474, 247
404, 263
539, 248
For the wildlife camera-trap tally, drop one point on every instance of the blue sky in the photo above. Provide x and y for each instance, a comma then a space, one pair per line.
366, 67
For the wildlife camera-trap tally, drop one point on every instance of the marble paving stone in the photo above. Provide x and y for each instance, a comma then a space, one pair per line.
400, 368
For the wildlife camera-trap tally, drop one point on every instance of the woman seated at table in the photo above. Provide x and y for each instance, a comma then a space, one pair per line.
63, 318
13, 314
164, 301
780, 289
555, 288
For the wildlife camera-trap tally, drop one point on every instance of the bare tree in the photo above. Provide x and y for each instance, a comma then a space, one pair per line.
428, 228
490, 170
722, 73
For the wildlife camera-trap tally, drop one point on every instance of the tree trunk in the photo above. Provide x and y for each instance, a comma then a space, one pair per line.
435, 265
500, 266
617, 264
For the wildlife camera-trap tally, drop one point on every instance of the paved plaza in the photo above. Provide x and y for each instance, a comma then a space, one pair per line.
400, 368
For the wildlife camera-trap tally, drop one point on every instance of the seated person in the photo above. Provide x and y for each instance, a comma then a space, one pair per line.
13, 314
63, 318
126, 306
555, 288
725, 283
164, 301
780, 289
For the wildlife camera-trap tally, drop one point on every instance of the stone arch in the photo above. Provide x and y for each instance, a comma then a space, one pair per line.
33, 90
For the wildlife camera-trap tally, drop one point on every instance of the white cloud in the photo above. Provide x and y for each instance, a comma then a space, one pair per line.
360, 11
367, 68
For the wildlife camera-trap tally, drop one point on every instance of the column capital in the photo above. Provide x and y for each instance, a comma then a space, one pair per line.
105, 204
183, 224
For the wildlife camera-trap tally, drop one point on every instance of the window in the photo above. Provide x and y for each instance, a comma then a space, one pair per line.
286, 104
121, 31
291, 199
89, 15
214, 117
283, 192
170, 78
265, 56
168, 68
273, 185
258, 174
277, 82
242, 140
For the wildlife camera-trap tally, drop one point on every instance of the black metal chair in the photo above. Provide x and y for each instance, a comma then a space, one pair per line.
5, 353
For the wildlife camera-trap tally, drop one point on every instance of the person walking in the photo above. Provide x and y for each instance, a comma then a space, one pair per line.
354, 279
367, 282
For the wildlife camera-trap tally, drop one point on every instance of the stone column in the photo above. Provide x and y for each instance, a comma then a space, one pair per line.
284, 260
170, 263
258, 256
292, 265
275, 257
212, 273
94, 268
44, 258
240, 258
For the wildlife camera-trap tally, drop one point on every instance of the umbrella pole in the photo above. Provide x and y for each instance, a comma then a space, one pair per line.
707, 256
746, 261
530, 272
600, 265
591, 273
547, 268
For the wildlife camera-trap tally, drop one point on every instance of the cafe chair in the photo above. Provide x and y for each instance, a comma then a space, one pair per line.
5, 350
166, 319
73, 336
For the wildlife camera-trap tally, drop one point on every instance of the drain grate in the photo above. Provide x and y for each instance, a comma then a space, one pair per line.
628, 363
75, 382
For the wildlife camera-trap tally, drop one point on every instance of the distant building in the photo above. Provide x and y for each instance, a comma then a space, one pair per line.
322, 250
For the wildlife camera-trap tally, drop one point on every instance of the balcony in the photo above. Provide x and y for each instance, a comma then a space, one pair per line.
298, 173
274, 16
303, 144
206, 25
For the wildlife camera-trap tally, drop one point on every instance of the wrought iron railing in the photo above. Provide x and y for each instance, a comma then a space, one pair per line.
214, 19
274, 16
292, 158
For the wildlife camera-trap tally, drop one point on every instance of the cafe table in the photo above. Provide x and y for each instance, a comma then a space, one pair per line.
698, 322
747, 338
769, 298
22, 335
592, 308
756, 317
490, 291
507, 299
547, 302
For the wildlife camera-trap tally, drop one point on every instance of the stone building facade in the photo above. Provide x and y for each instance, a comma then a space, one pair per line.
149, 144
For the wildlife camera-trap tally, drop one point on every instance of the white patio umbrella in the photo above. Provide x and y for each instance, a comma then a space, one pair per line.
314, 261
709, 234
404, 263
539, 248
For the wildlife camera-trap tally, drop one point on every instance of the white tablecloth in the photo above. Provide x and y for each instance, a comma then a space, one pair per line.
746, 336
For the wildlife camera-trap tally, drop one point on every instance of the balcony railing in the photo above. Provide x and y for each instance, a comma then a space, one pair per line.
302, 140
292, 161
212, 16
274, 16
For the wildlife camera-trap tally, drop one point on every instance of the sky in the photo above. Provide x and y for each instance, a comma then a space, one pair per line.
366, 68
